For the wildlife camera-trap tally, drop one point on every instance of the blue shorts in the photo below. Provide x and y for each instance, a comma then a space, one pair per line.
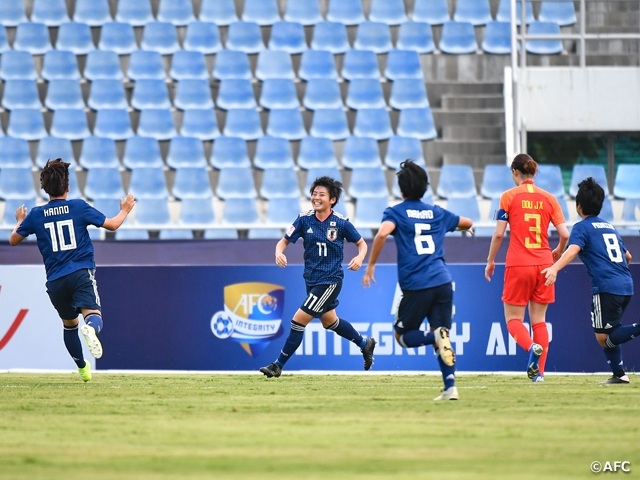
321, 299
607, 311
71, 293
436, 304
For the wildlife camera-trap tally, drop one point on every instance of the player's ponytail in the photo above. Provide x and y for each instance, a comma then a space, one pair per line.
525, 165
54, 178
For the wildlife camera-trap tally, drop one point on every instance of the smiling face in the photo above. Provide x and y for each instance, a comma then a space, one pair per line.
321, 200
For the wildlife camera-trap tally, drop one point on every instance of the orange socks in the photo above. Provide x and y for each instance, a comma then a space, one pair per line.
520, 334
541, 337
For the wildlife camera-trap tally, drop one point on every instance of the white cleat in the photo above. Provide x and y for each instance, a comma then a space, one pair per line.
450, 393
95, 347
444, 346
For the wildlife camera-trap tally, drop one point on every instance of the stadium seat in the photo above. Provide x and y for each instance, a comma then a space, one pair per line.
109, 206
627, 182
186, 152
14, 153
562, 13
245, 37
465, 207
231, 152
369, 210
390, 12
17, 66
262, 12
107, 94
264, 233
240, 210
75, 37
175, 234
287, 37
196, 211
476, 12
148, 183
203, 37
280, 183
221, 234
156, 123
504, 12
368, 182
12, 13
322, 93
278, 93
9, 218
403, 64
496, 180
129, 235
282, 210
314, 173
408, 93
236, 94
581, 172
220, 12
33, 38
433, 12
192, 182
70, 123
273, 64
416, 36
60, 65
417, 123
232, 65
134, 12
456, 181
365, 93
52, 13
360, 64
458, 38
306, 12
317, 64
188, 66
607, 211
21, 94
286, 123
401, 149
236, 182
160, 37
348, 12
98, 152
74, 187
243, 123
26, 123
63, 94
330, 123
4, 42
150, 94
374, 123
373, 36
94, 13
142, 152
549, 178
53, 147
152, 211
117, 37
331, 37
563, 205
113, 123
272, 152
360, 152
193, 94
497, 38
200, 123
145, 65
544, 47
177, 12
104, 183
102, 65
16, 184
629, 208
316, 152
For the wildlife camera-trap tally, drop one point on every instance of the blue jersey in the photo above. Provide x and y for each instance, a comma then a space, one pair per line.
603, 253
419, 235
323, 245
60, 227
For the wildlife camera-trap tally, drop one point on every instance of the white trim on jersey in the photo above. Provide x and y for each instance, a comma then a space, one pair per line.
323, 299
597, 311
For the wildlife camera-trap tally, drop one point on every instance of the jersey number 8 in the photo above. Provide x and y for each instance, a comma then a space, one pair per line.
613, 247
59, 227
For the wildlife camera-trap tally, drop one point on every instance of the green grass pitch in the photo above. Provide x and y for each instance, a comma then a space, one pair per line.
313, 426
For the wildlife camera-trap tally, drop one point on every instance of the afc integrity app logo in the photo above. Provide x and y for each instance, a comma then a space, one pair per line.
252, 315
6, 336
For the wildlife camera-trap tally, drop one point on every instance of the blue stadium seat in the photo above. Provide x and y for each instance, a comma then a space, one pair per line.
70, 123
75, 37
433, 12
20, 94
12, 13
243, 123
458, 38
544, 47
322, 93
465, 207
130, 235
14, 153
194, 211
107, 94
156, 123
117, 37
150, 94
476, 12
360, 64
113, 123
64, 94
368, 182
374, 123
220, 12
316, 152
286, 123
408, 93
53, 147
177, 12
33, 38
262, 12
231, 152
581, 172
330, 123
331, 37
145, 65
272, 152
192, 182
94, 13
607, 211
401, 149
361, 152
629, 208
348, 12
287, 37
152, 211
134, 12
390, 12
104, 183
504, 12
272, 64
109, 206
60, 65
496, 180
17, 66
265, 233
160, 37
306, 12
369, 210
373, 36
280, 183
17, 184
142, 152
221, 234
193, 94
52, 13
549, 178
236, 94
4, 42
200, 123
9, 218
278, 93
317, 64
365, 93
563, 206
148, 183
188, 66
102, 65
314, 173
416, 36
403, 64
74, 187
236, 182
26, 123
562, 13
456, 181
282, 210
186, 152
627, 182
98, 152
175, 234
240, 210
245, 37
231, 65
497, 38
417, 123
203, 37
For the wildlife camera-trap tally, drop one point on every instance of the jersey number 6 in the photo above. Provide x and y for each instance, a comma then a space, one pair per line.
420, 239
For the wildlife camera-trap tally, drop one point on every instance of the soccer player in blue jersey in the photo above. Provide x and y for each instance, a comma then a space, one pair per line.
323, 232
600, 248
60, 227
419, 231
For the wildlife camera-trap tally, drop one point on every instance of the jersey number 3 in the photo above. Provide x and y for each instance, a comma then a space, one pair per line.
58, 242
424, 243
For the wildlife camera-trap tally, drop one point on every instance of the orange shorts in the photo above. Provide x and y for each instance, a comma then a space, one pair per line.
526, 283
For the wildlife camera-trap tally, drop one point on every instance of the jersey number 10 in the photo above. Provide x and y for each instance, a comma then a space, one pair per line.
59, 226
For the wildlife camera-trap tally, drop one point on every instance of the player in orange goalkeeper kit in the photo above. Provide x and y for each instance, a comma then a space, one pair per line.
528, 210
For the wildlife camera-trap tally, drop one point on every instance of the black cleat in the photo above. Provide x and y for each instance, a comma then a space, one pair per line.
623, 380
367, 352
272, 370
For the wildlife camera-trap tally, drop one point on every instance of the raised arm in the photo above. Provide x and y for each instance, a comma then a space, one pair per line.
15, 238
378, 243
125, 208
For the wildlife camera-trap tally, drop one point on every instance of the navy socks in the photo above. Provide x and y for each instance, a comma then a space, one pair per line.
74, 345
94, 320
292, 343
417, 338
346, 330
614, 359
448, 374
623, 334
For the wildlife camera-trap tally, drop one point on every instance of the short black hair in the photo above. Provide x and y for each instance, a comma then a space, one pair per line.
590, 196
412, 180
334, 187
54, 178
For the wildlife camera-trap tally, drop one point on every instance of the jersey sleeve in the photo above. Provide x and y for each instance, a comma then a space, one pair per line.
503, 209
578, 236
350, 233
294, 232
93, 216
450, 220
389, 215
26, 228
557, 217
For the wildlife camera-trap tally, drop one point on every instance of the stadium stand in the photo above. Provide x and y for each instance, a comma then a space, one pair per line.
160, 37
188, 66
280, 183
75, 37
200, 123
456, 181
194, 94
150, 94
416, 36
286, 123
117, 37
417, 123
12, 13
348, 12
220, 12
203, 37
504, 12
373, 122
369, 210
368, 182
403, 64
53, 13
148, 183
287, 37
458, 38
113, 123
60, 65
549, 178
194, 211
245, 37
497, 38
331, 37
465, 207
14, 153
4, 42
306, 12
580, 172
232, 65
274, 64
391, 12
63, 94
103, 65
408, 93
186, 152
278, 93
70, 123
262, 12
496, 180
316, 65
322, 93
16, 184
360, 152
107, 94
562, 13
433, 12
317, 152
231, 152
94, 13
26, 123
476, 12
192, 182
365, 93
104, 183
271, 152
401, 149
53, 147
142, 152
240, 210
16, 65
330, 123
236, 183
177, 12
627, 181
374, 36
134, 12
21, 94
33, 38
360, 64
157, 123
544, 47
98, 152
9, 218
243, 123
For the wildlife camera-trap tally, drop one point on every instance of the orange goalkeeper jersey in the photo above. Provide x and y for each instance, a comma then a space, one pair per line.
529, 210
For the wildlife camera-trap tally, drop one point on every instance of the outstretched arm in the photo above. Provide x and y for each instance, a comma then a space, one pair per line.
551, 273
281, 259
563, 231
15, 238
496, 241
356, 262
378, 243
465, 224
126, 205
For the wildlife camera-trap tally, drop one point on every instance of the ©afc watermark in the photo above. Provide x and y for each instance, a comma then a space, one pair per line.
617, 466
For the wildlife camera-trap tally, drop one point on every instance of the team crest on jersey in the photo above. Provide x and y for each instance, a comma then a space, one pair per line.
332, 234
